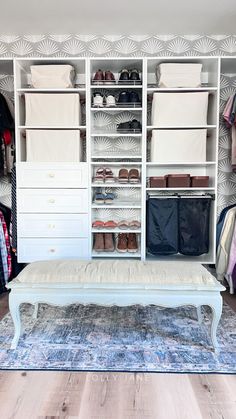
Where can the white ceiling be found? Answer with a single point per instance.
(118, 17)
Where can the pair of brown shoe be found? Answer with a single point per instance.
(103, 242)
(127, 243)
(131, 176)
(103, 77)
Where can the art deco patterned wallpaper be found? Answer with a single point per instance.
(138, 45)
(116, 45)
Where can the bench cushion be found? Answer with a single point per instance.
(110, 272)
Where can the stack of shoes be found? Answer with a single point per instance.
(100, 101)
(127, 243)
(129, 77)
(128, 99)
(104, 77)
(130, 126)
(103, 242)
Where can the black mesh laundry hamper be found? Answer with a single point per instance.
(162, 226)
(194, 218)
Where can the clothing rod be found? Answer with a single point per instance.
(198, 196)
(181, 196)
(163, 196)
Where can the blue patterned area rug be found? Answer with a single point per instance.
(134, 338)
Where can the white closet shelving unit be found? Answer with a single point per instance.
(56, 200)
(52, 198)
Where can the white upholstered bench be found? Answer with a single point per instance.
(115, 282)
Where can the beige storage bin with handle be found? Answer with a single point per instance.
(179, 109)
(175, 146)
(52, 109)
(179, 75)
(55, 76)
(53, 146)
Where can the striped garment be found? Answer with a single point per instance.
(3, 250)
(7, 242)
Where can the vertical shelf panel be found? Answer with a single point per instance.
(52, 183)
(103, 128)
(210, 83)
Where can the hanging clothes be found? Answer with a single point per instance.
(229, 116)
(2, 278)
(232, 253)
(10, 216)
(14, 210)
(220, 223)
(6, 164)
(5, 263)
(223, 250)
(6, 137)
(227, 110)
(6, 119)
(234, 276)
(7, 242)
(3, 251)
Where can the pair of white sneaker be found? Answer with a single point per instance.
(101, 101)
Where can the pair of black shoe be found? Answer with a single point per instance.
(130, 126)
(128, 98)
(129, 77)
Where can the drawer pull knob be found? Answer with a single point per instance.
(51, 175)
(51, 225)
(52, 250)
(51, 201)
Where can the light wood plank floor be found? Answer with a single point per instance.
(54, 395)
(30, 395)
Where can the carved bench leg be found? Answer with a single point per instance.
(199, 314)
(231, 284)
(36, 308)
(216, 311)
(14, 307)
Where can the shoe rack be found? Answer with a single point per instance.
(116, 148)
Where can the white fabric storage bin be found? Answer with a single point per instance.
(52, 109)
(57, 76)
(179, 75)
(179, 109)
(173, 146)
(53, 146)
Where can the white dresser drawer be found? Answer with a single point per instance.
(53, 225)
(30, 250)
(52, 201)
(52, 175)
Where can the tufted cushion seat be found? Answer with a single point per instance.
(118, 273)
